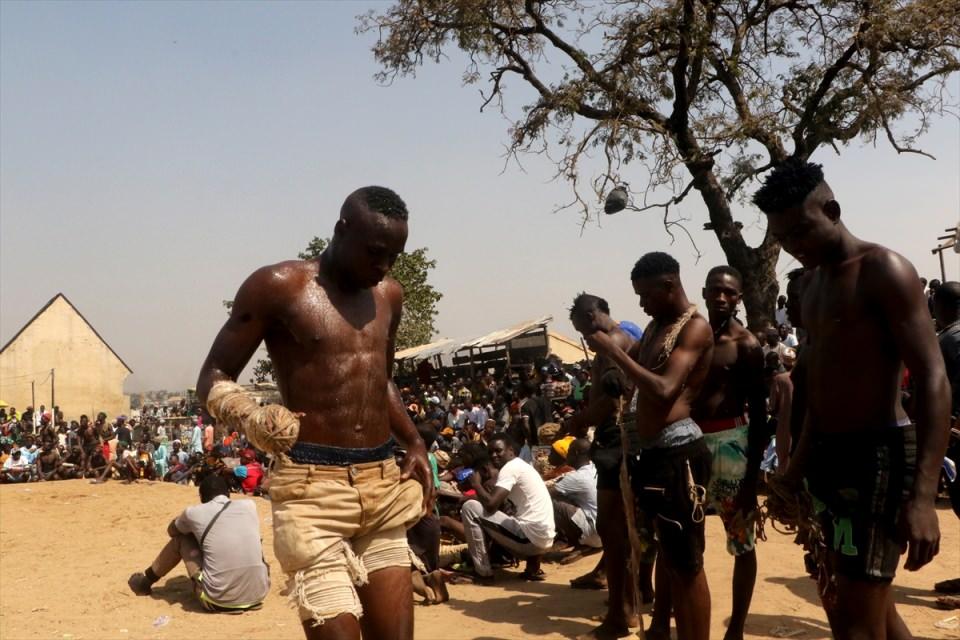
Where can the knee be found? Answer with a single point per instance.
(471, 510)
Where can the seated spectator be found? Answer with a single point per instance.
(529, 533)
(179, 471)
(73, 463)
(219, 544)
(787, 336)
(16, 468)
(448, 441)
(47, 462)
(96, 463)
(249, 472)
(575, 498)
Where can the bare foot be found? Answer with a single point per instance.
(438, 585)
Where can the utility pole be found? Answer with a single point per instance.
(53, 397)
(952, 241)
(33, 393)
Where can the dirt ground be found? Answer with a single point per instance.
(67, 548)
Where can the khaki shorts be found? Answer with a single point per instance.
(332, 526)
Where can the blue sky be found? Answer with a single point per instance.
(154, 154)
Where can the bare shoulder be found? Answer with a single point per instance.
(746, 341)
(275, 284)
(884, 270)
(392, 290)
(622, 339)
(696, 334)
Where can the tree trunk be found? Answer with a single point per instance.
(757, 265)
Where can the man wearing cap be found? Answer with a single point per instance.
(15, 468)
(575, 495)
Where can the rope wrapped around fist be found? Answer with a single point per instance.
(272, 428)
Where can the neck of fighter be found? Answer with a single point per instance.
(677, 308)
(847, 246)
(720, 322)
(328, 261)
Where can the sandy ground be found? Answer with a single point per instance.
(67, 548)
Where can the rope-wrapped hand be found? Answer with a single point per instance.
(272, 428)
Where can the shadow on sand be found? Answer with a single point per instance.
(178, 591)
(536, 609)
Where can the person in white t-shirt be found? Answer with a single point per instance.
(787, 336)
(528, 534)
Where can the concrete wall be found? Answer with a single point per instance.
(88, 376)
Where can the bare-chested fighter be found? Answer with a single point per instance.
(668, 367)
(731, 412)
(873, 472)
(591, 314)
(341, 504)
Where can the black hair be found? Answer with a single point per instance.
(796, 273)
(788, 185)
(588, 302)
(934, 284)
(212, 486)
(427, 432)
(383, 201)
(507, 442)
(655, 263)
(948, 294)
(726, 270)
(473, 455)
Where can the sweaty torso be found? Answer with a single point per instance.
(852, 364)
(652, 416)
(329, 353)
(724, 391)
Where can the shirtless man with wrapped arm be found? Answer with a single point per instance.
(341, 504)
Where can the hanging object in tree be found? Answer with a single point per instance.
(616, 200)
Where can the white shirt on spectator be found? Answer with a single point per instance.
(780, 315)
(529, 495)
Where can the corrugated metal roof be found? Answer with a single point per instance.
(503, 336)
(425, 351)
(448, 346)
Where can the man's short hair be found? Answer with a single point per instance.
(948, 294)
(508, 442)
(726, 270)
(383, 201)
(587, 302)
(655, 263)
(788, 185)
(212, 486)
(427, 433)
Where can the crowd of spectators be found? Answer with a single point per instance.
(171, 444)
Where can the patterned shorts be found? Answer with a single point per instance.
(729, 451)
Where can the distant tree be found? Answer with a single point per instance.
(419, 300)
(705, 95)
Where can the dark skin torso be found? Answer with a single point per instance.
(329, 349)
(727, 385)
(853, 356)
(655, 415)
